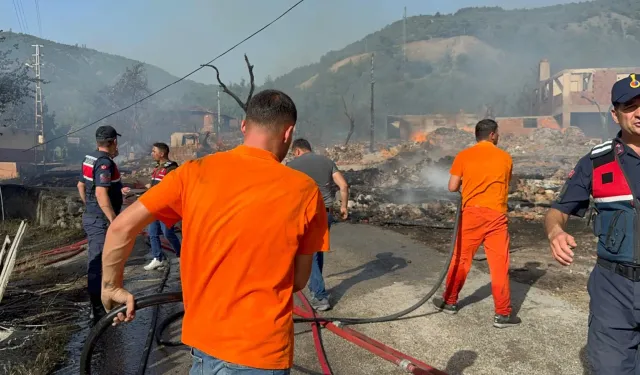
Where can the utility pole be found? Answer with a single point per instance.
(219, 117)
(373, 126)
(39, 120)
(404, 34)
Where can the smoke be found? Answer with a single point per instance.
(435, 177)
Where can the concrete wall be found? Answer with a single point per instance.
(13, 142)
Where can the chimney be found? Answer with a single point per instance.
(544, 71)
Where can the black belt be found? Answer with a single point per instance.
(629, 272)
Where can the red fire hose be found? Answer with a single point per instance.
(407, 363)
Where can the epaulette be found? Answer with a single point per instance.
(601, 149)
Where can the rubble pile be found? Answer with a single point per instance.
(349, 154)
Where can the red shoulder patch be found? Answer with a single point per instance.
(103, 166)
(572, 173)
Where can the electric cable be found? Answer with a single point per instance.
(174, 82)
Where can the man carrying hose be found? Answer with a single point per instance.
(250, 228)
(484, 173)
(610, 173)
(101, 191)
(160, 153)
(324, 172)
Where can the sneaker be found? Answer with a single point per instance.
(505, 321)
(155, 264)
(320, 304)
(440, 305)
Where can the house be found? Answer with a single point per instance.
(578, 97)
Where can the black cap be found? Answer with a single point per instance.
(105, 133)
(625, 89)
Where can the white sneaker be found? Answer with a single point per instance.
(155, 263)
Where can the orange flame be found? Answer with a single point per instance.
(419, 137)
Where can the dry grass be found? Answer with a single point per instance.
(47, 350)
(38, 238)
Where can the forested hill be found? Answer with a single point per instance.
(467, 60)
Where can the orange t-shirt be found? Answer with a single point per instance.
(244, 218)
(486, 173)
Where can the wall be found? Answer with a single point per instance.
(13, 142)
(516, 125)
(61, 208)
(8, 170)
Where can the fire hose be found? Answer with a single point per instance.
(306, 315)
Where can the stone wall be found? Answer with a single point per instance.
(46, 207)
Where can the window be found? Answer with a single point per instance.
(530, 123)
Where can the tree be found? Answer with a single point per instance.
(352, 121)
(225, 89)
(131, 87)
(14, 80)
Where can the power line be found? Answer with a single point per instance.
(15, 7)
(24, 18)
(38, 14)
(178, 80)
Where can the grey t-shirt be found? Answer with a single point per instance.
(321, 169)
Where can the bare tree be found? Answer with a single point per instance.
(350, 116)
(14, 80)
(235, 97)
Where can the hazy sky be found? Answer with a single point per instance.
(180, 35)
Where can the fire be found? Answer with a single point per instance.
(419, 137)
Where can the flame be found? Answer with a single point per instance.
(419, 137)
(386, 153)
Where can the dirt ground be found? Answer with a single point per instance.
(531, 260)
(42, 307)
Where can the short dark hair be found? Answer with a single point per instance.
(484, 128)
(162, 147)
(105, 142)
(301, 144)
(271, 108)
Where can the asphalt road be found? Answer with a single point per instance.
(371, 272)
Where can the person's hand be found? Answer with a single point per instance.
(562, 245)
(344, 213)
(126, 190)
(114, 297)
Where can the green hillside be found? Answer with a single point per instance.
(469, 60)
(474, 58)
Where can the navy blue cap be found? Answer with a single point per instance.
(105, 133)
(625, 89)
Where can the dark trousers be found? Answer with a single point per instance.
(96, 228)
(614, 323)
(316, 281)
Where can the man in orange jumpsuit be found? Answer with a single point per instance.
(484, 173)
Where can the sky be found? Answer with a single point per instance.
(178, 36)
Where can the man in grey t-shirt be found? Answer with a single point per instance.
(324, 172)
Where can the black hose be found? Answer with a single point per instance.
(387, 318)
(163, 298)
(107, 320)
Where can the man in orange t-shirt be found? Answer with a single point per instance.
(250, 228)
(484, 173)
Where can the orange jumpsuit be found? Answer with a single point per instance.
(486, 173)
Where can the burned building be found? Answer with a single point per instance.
(578, 97)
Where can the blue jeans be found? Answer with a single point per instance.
(204, 364)
(154, 230)
(316, 281)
